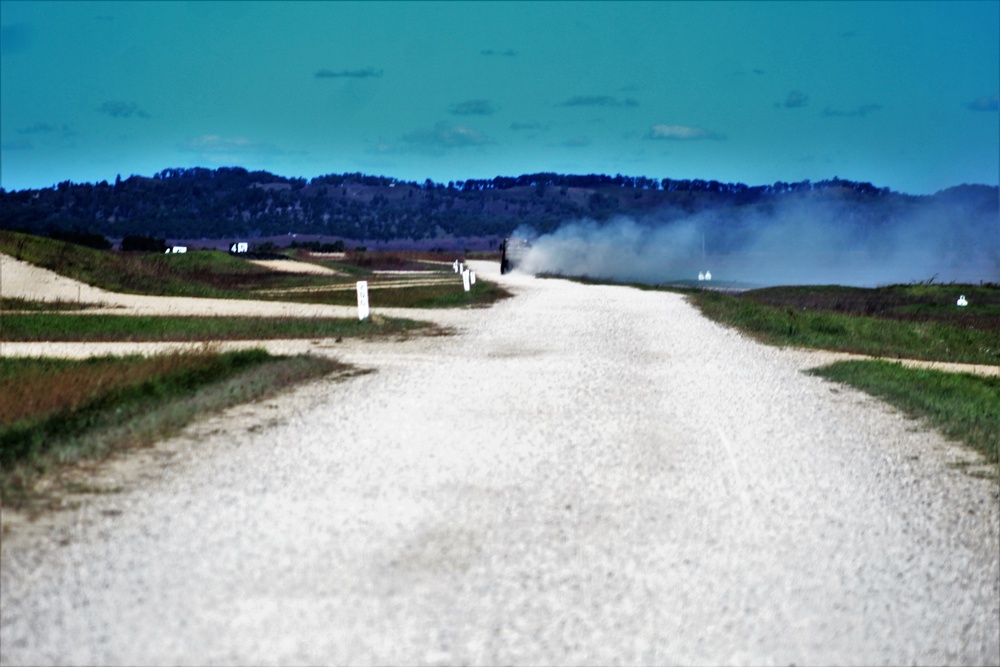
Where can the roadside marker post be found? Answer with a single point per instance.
(454, 266)
(362, 299)
(465, 280)
(472, 277)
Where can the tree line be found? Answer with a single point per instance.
(233, 202)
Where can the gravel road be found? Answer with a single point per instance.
(581, 475)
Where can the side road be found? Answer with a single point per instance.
(582, 475)
(21, 279)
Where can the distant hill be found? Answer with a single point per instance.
(231, 202)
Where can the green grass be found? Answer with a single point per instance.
(444, 295)
(932, 340)
(55, 413)
(220, 275)
(8, 304)
(960, 405)
(22, 327)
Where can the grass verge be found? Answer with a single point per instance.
(960, 405)
(56, 412)
(878, 337)
(51, 327)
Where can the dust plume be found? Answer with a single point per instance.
(807, 240)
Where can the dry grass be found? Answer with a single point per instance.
(35, 387)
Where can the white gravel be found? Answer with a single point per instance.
(583, 475)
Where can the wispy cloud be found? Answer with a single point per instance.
(119, 109)
(473, 108)
(681, 133)
(365, 73)
(15, 38)
(985, 103)
(217, 145)
(509, 53)
(444, 136)
(47, 130)
(597, 101)
(578, 141)
(37, 128)
(796, 99)
(16, 145)
(859, 112)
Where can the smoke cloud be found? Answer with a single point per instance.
(800, 242)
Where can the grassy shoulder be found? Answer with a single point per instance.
(960, 405)
(51, 327)
(56, 412)
(791, 324)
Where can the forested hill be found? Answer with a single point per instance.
(233, 202)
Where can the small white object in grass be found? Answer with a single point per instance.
(179, 249)
(472, 277)
(454, 266)
(962, 301)
(465, 280)
(362, 299)
(701, 275)
(708, 275)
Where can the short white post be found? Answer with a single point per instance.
(454, 266)
(465, 280)
(362, 299)
(472, 277)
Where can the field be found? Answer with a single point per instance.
(55, 413)
(396, 279)
(917, 321)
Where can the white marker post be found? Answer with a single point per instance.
(465, 280)
(454, 266)
(472, 277)
(362, 299)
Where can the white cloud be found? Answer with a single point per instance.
(213, 143)
(444, 136)
(681, 133)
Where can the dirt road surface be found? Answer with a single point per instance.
(581, 475)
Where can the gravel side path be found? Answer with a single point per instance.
(584, 475)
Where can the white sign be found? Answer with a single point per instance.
(362, 299)
(465, 280)
(179, 249)
(240, 247)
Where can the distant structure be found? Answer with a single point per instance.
(708, 275)
(176, 250)
(962, 301)
(512, 252)
(701, 275)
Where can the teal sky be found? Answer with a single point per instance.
(900, 94)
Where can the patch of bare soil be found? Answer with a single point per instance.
(292, 266)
